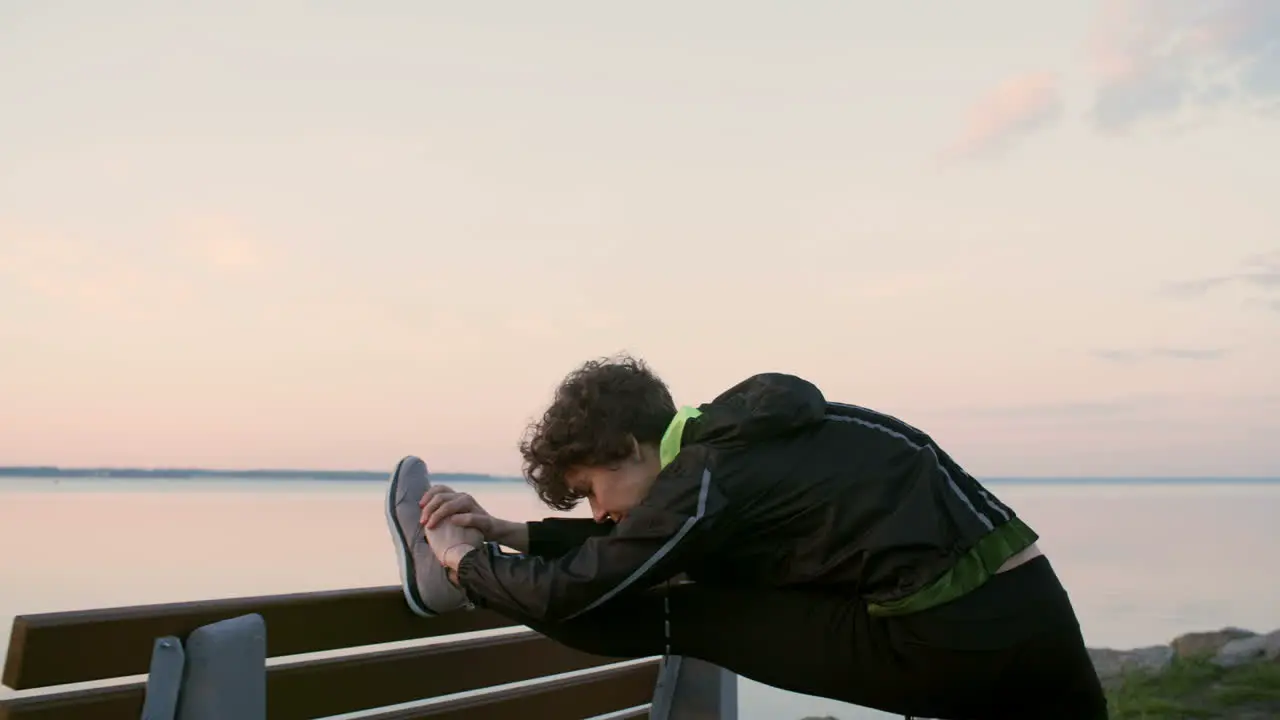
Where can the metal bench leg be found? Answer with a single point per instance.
(164, 680)
(690, 689)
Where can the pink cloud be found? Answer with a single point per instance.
(221, 244)
(68, 271)
(1153, 58)
(1015, 108)
(103, 276)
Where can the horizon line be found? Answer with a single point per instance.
(13, 470)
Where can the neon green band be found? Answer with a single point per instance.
(670, 446)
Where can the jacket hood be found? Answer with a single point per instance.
(761, 407)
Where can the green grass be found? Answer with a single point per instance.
(1196, 689)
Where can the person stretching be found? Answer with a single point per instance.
(814, 546)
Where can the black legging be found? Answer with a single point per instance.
(1011, 649)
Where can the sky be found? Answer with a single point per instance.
(326, 234)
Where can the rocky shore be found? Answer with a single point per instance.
(1232, 674)
(1227, 674)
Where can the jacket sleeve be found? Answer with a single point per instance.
(655, 541)
(553, 537)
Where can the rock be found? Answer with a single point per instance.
(1207, 643)
(1249, 649)
(1110, 664)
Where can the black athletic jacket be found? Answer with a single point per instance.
(773, 485)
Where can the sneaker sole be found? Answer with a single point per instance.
(408, 578)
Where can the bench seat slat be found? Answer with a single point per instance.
(118, 702)
(596, 693)
(326, 687)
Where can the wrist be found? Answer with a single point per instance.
(514, 535)
(502, 531)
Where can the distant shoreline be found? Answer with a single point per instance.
(31, 473)
(60, 473)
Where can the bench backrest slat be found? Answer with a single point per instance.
(330, 686)
(68, 647)
(51, 649)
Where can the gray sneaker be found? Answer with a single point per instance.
(425, 581)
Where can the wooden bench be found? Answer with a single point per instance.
(53, 649)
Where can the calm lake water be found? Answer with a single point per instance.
(1143, 562)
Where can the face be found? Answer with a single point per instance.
(613, 491)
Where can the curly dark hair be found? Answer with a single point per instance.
(597, 410)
